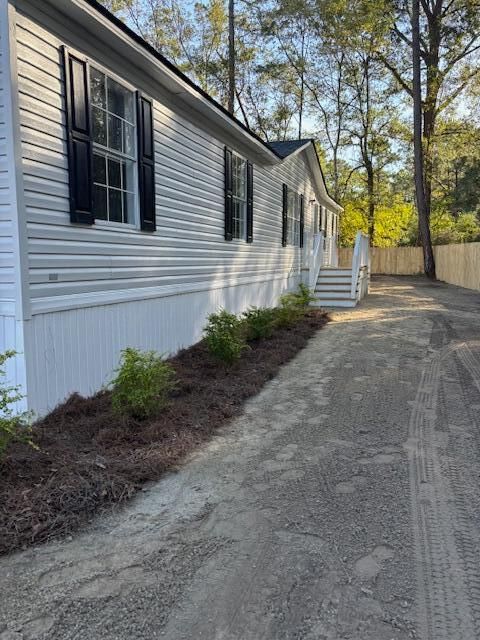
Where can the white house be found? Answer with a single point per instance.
(132, 205)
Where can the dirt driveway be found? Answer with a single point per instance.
(344, 503)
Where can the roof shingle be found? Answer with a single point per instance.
(284, 148)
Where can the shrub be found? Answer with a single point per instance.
(305, 296)
(142, 383)
(288, 313)
(259, 323)
(13, 427)
(224, 336)
(292, 306)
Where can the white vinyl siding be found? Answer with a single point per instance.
(71, 264)
(7, 178)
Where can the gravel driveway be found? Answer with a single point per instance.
(344, 503)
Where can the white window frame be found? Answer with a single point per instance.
(107, 151)
(236, 199)
(293, 218)
(316, 218)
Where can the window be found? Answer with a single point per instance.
(239, 197)
(114, 149)
(293, 218)
(316, 219)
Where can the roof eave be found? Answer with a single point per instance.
(316, 167)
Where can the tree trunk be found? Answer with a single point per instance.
(231, 56)
(371, 201)
(422, 206)
(302, 89)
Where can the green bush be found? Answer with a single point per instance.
(288, 313)
(13, 427)
(142, 384)
(293, 306)
(259, 322)
(224, 336)
(305, 296)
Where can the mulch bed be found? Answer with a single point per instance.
(89, 460)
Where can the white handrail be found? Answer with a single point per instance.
(316, 258)
(360, 259)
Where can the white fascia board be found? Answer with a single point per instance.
(318, 176)
(78, 12)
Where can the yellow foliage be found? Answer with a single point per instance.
(352, 220)
(391, 223)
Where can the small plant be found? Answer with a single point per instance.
(142, 383)
(224, 336)
(305, 296)
(288, 313)
(259, 322)
(292, 306)
(13, 427)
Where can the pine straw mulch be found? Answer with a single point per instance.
(89, 460)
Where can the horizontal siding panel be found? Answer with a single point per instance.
(50, 83)
(7, 213)
(36, 122)
(86, 286)
(41, 109)
(172, 258)
(43, 96)
(28, 55)
(147, 276)
(44, 187)
(36, 37)
(43, 140)
(162, 114)
(42, 200)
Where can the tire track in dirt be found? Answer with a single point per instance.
(447, 570)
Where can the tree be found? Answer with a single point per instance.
(231, 56)
(438, 38)
(422, 207)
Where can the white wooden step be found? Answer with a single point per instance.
(331, 294)
(327, 303)
(335, 272)
(336, 286)
(333, 280)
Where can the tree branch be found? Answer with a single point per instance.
(396, 74)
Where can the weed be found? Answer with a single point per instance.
(14, 427)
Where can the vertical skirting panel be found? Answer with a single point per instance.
(77, 350)
(11, 338)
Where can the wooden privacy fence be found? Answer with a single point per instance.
(456, 263)
(405, 261)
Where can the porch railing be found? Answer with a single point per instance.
(360, 266)
(316, 259)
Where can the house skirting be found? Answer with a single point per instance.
(76, 350)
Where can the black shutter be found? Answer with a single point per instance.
(228, 195)
(302, 220)
(80, 157)
(249, 202)
(146, 163)
(284, 216)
